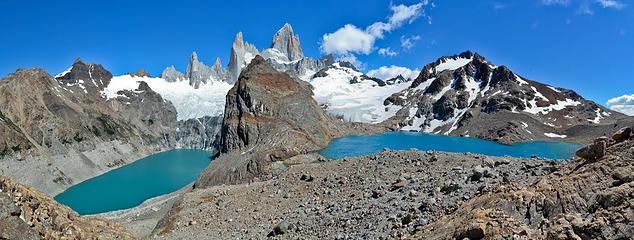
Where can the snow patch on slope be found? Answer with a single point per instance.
(554, 135)
(452, 64)
(207, 100)
(64, 72)
(534, 109)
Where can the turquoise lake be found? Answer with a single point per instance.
(162, 173)
(363, 145)
(130, 185)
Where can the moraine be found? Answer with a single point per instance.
(132, 184)
(354, 146)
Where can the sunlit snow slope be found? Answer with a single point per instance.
(358, 102)
(207, 100)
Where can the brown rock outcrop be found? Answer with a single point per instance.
(269, 116)
(582, 200)
(26, 213)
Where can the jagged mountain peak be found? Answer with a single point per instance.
(89, 77)
(287, 27)
(285, 55)
(287, 42)
(217, 63)
(194, 56)
(238, 41)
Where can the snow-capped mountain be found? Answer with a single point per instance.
(467, 95)
(464, 95)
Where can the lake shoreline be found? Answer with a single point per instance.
(129, 186)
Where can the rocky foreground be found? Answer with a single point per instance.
(592, 197)
(388, 195)
(424, 195)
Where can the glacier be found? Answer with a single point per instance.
(190, 102)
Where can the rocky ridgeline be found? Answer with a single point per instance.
(26, 213)
(387, 195)
(465, 94)
(269, 117)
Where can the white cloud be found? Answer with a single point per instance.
(348, 39)
(556, 2)
(610, 4)
(386, 73)
(409, 42)
(387, 52)
(351, 39)
(624, 104)
(400, 15)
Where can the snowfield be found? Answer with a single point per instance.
(207, 100)
(359, 102)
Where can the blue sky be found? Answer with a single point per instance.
(585, 45)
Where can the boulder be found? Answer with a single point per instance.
(622, 134)
(479, 172)
(592, 151)
(281, 228)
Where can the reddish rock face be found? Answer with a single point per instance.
(269, 116)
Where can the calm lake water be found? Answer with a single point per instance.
(364, 145)
(130, 185)
(166, 172)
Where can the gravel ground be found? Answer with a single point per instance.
(386, 195)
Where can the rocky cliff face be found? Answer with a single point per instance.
(199, 73)
(241, 54)
(588, 198)
(269, 116)
(287, 43)
(26, 213)
(467, 95)
(198, 133)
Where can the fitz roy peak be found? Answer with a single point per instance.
(287, 43)
(285, 54)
